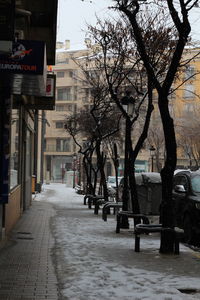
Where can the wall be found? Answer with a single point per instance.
(12, 210)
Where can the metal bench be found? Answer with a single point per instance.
(97, 205)
(107, 206)
(93, 199)
(153, 228)
(86, 198)
(78, 189)
(131, 215)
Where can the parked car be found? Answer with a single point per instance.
(111, 184)
(186, 197)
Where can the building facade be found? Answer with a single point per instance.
(72, 94)
(27, 45)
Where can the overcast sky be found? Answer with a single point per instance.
(74, 14)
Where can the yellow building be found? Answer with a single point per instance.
(72, 94)
(184, 106)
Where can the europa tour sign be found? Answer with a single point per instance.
(27, 57)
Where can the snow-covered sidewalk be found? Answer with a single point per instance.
(93, 262)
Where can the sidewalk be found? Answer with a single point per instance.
(26, 270)
(95, 263)
(92, 262)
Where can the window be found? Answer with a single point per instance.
(189, 91)
(59, 125)
(75, 92)
(61, 60)
(64, 93)
(65, 107)
(189, 72)
(71, 73)
(60, 74)
(195, 182)
(86, 96)
(188, 107)
(63, 145)
(60, 107)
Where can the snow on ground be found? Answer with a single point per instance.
(93, 262)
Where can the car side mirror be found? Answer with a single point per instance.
(180, 188)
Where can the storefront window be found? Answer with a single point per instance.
(14, 157)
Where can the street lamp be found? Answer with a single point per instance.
(152, 151)
(128, 103)
(74, 169)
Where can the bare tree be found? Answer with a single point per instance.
(177, 12)
(117, 58)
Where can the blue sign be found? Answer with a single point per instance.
(27, 57)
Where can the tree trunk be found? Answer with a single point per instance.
(87, 168)
(125, 194)
(100, 162)
(167, 207)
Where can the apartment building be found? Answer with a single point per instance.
(59, 148)
(71, 95)
(184, 106)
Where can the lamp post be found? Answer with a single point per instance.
(128, 103)
(152, 151)
(74, 169)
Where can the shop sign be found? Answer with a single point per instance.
(43, 102)
(27, 57)
(50, 86)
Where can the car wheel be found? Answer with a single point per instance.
(188, 231)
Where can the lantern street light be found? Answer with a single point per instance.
(74, 169)
(152, 151)
(128, 103)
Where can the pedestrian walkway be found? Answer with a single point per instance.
(92, 262)
(26, 269)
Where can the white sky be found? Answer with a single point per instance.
(74, 14)
(95, 263)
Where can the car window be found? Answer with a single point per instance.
(195, 183)
(111, 179)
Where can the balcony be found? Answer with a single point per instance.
(54, 148)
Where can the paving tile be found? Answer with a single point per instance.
(26, 269)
